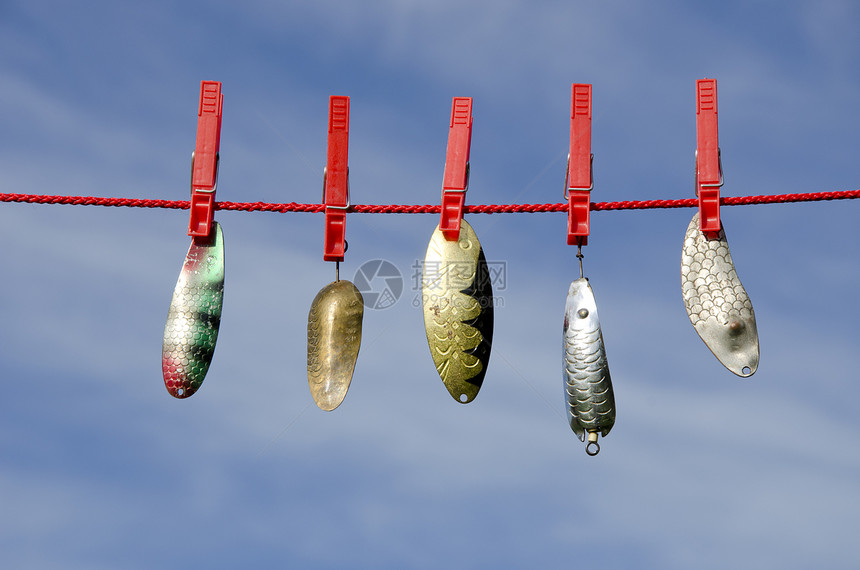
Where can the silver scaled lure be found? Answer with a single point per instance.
(194, 316)
(587, 384)
(716, 302)
(458, 311)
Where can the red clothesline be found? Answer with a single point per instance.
(426, 209)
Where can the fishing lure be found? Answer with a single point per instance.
(457, 299)
(587, 384)
(336, 313)
(334, 339)
(716, 301)
(194, 316)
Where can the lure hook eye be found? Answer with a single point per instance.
(592, 448)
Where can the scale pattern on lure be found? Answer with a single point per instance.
(194, 316)
(334, 339)
(716, 302)
(458, 311)
(587, 384)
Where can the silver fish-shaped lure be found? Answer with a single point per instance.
(194, 316)
(716, 302)
(587, 384)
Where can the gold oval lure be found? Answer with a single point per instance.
(334, 338)
(457, 297)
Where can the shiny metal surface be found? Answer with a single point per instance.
(587, 384)
(194, 316)
(457, 297)
(716, 302)
(334, 338)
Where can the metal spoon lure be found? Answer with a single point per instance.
(457, 299)
(334, 339)
(716, 301)
(194, 316)
(587, 383)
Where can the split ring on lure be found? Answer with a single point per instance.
(716, 302)
(194, 316)
(334, 339)
(587, 384)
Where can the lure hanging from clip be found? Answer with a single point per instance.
(194, 316)
(587, 384)
(456, 292)
(716, 301)
(336, 313)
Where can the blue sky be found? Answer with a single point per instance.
(101, 468)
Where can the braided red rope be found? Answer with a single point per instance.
(426, 209)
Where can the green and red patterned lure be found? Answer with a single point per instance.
(194, 316)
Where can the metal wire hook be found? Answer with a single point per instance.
(337, 263)
(566, 192)
(696, 173)
(579, 256)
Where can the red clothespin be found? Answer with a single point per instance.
(456, 178)
(580, 176)
(709, 167)
(336, 179)
(204, 163)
